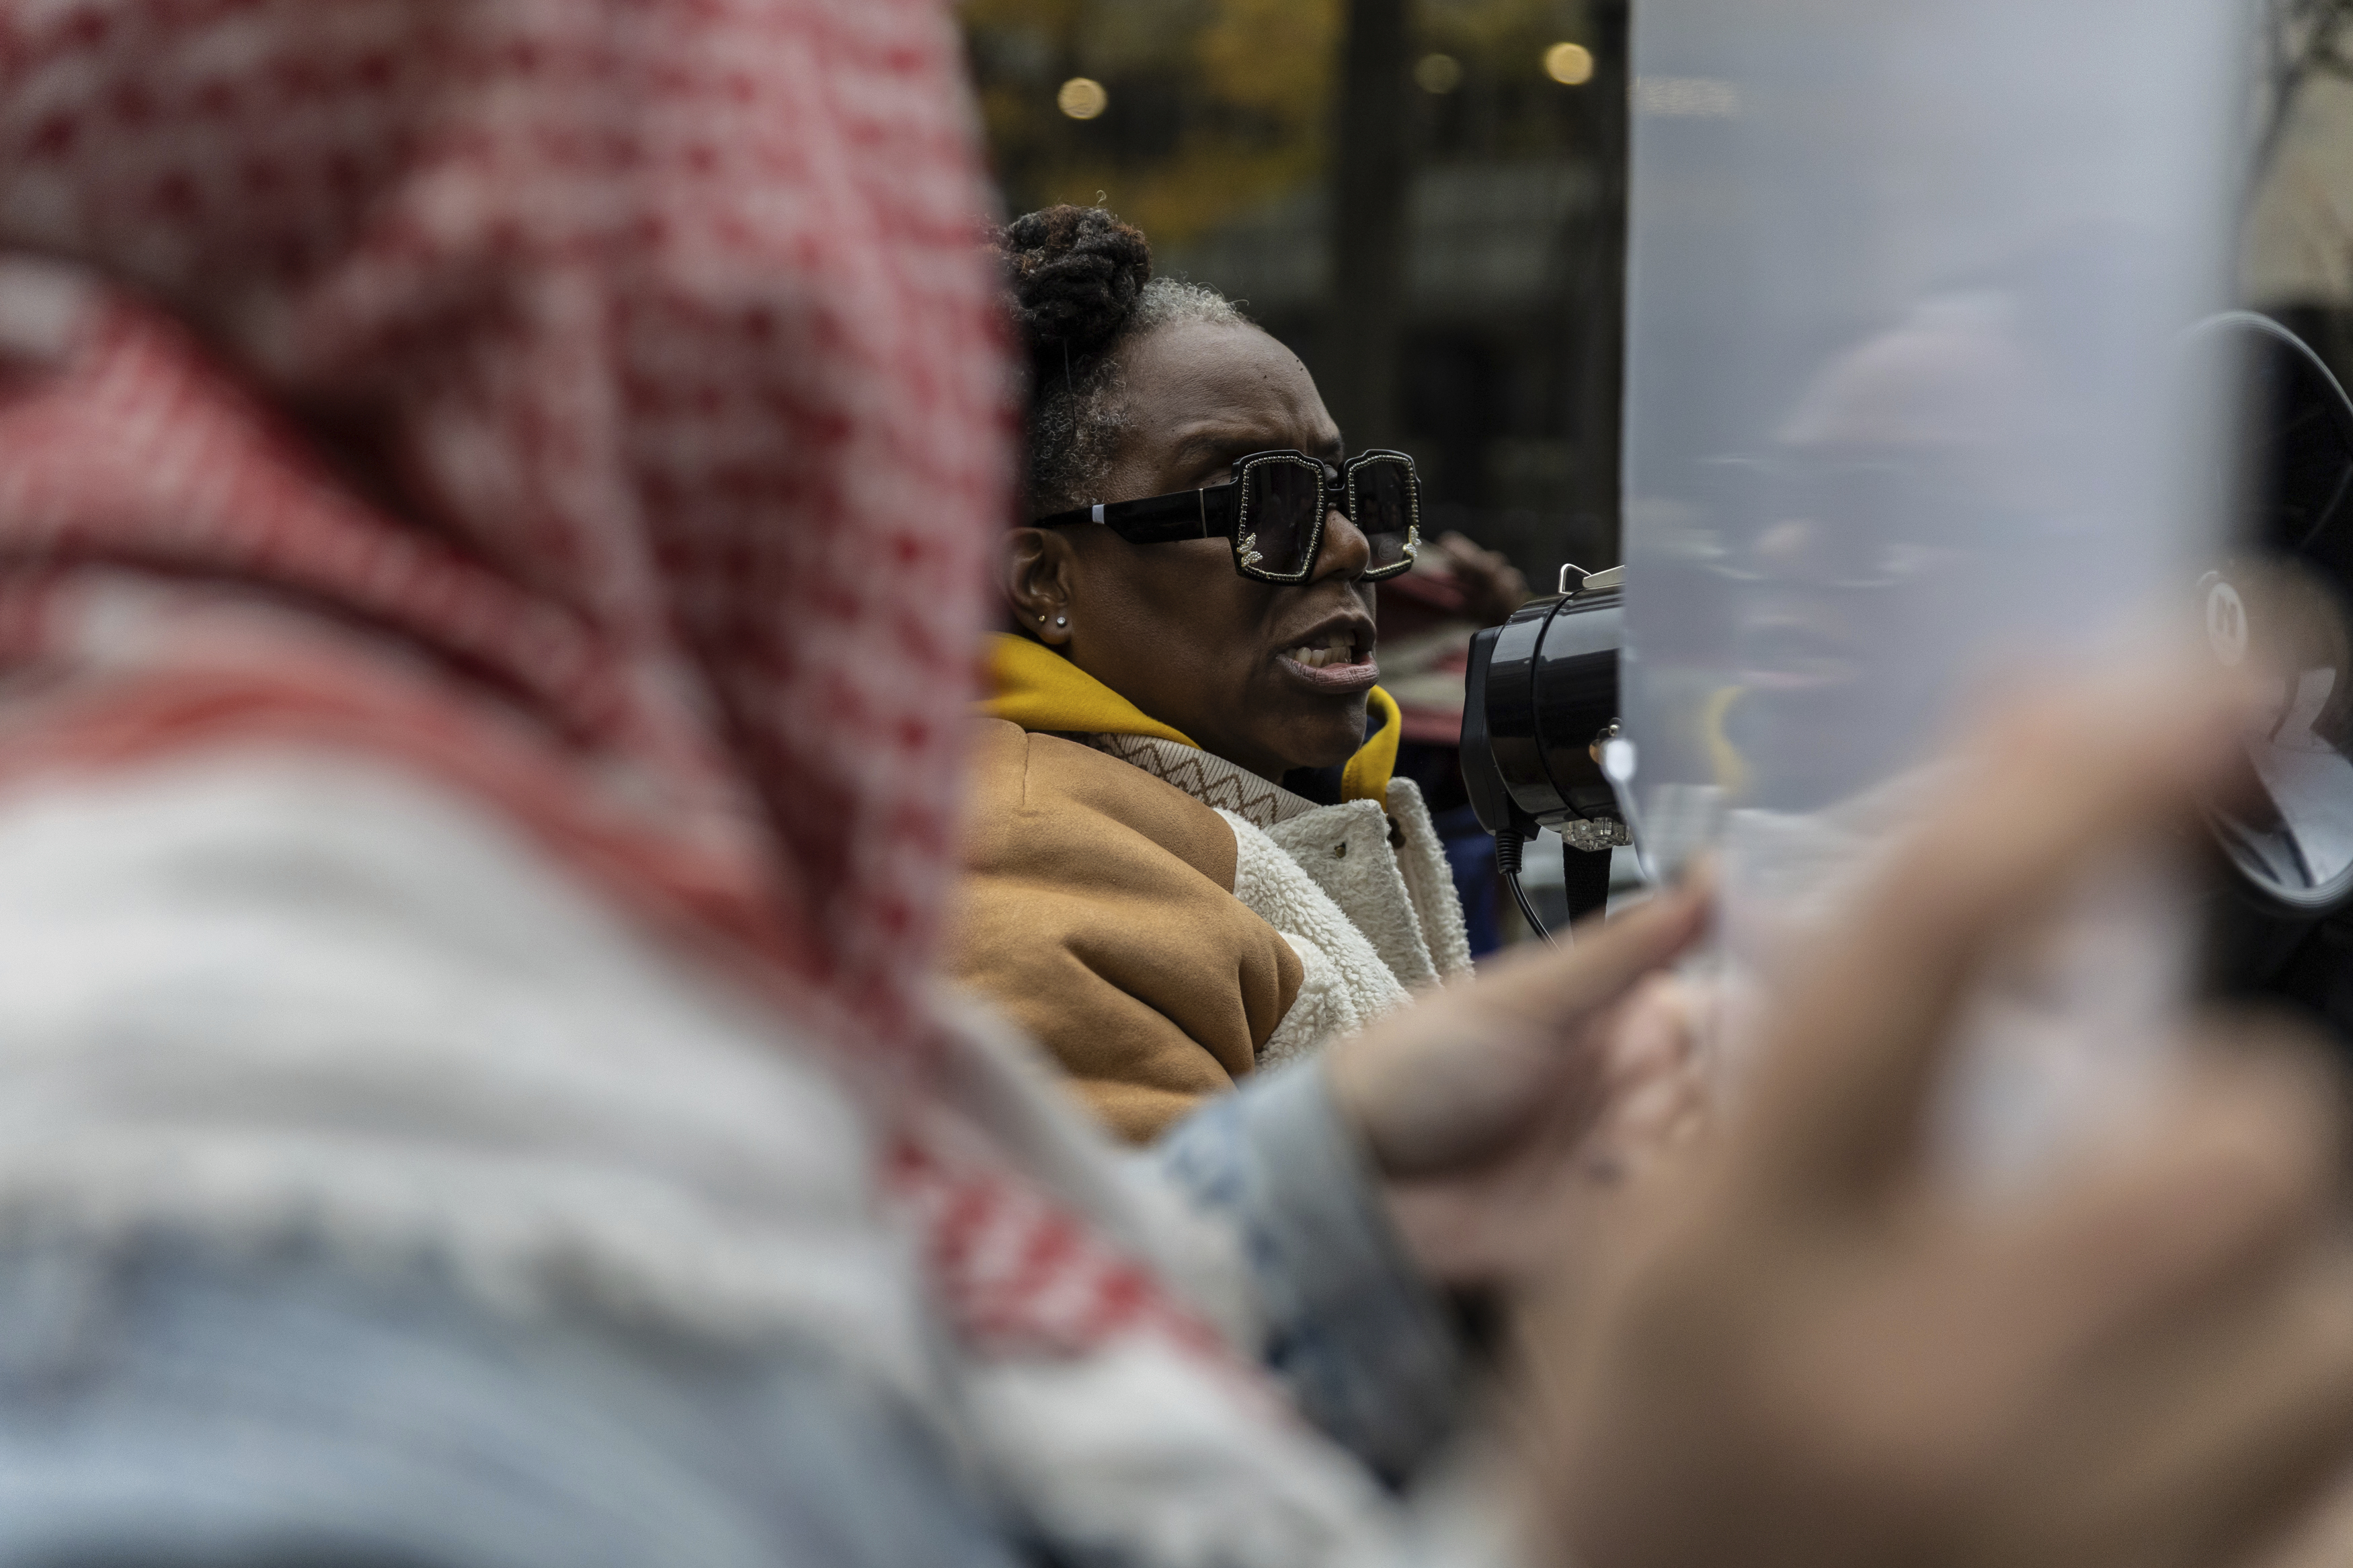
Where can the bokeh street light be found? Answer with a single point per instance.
(1571, 65)
(1082, 98)
(1438, 73)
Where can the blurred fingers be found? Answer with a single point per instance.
(1475, 1072)
(2237, 1431)
(2323, 1539)
(1606, 961)
(2224, 1361)
(1493, 586)
(1462, 549)
(2049, 790)
(2215, 1193)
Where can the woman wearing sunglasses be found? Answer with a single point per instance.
(1189, 858)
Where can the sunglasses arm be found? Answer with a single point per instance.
(1205, 513)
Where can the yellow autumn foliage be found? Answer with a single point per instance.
(1217, 107)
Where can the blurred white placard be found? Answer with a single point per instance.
(1907, 415)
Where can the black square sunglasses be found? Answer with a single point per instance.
(1272, 512)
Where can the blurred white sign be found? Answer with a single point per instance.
(1906, 413)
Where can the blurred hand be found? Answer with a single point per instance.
(1495, 1111)
(1492, 586)
(2326, 1541)
(1803, 1346)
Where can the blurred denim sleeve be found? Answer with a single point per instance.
(1367, 1347)
(178, 1407)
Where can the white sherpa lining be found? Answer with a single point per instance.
(1345, 851)
(1429, 881)
(1346, 985)
(1371, 924)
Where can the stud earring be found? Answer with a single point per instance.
(1041, 620)
(1062, 620)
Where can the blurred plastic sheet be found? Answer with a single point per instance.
(1907, 413)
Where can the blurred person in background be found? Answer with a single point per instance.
(496, 497)
(1911, 472)
(1191, 853)
(1428, 618)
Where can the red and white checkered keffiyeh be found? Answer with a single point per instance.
(597, 402)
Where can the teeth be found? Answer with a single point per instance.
(1340, 648)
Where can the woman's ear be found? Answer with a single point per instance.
(1040, 580)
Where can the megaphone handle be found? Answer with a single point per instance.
(1585, 877)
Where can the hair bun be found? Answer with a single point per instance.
(1076, 273)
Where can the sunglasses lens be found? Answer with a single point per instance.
(1282, 503)
(1384, 491)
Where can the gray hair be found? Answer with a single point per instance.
(1075, 420)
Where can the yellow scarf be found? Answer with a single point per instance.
(1038, 689)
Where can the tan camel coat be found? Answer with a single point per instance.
(1164, 923)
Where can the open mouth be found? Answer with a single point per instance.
(1337, 659)
(1334, 647)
